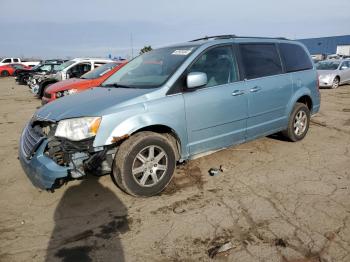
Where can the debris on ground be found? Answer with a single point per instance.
(215, 171)
(220, 249)
(280, 242)
(178, 210)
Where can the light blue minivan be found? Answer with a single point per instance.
(170, 105)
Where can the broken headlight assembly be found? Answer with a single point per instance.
(76, 129)
(66, 92)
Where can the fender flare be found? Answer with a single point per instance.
(297, 95)
(138, 122)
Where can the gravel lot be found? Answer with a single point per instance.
(275, 200)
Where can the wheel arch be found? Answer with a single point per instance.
(117, 130)
(303, 95)
(166, 131)
(306, 99)
(44, 84)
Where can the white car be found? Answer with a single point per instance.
(11, 60)
(78, 66)
(332, 73)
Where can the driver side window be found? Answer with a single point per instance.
(79, 69)
(219, 65)
(345, 65)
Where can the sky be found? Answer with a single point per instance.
(97, 28)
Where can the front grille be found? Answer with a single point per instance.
(31, 140)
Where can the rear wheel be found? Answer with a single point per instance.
(335, 83)
(298, 124)
(144, 164)
(5, 73)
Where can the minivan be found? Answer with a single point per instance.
(170, 105)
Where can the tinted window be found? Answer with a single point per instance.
(15, 60)
(260, 60)
(8, 60)
(219, 65)
(295, 58)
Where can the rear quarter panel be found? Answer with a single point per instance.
(305, 83)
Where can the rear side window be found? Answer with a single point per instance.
(295, 58)
(15, 60)
(260, 60)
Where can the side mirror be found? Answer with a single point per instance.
(196, 79)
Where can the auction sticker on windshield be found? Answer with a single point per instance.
(182, 51)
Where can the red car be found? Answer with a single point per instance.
(9, 70)
(75, 85)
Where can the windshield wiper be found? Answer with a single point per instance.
(116, 85)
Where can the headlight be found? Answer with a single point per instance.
(77, 129)
(66, 92)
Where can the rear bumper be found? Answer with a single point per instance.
(41, 170)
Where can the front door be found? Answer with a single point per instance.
(216, 113)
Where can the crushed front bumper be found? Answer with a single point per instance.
(41, 170)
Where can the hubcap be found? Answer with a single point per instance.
(150, 166)
(300, 122)
(335, 83)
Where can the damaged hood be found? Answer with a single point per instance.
(93, 102)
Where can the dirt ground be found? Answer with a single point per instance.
(274, 201)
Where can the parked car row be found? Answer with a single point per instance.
(10, 69)
(166, 106)
(70, 69)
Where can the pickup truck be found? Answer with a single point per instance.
(11, 60)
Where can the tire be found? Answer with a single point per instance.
(298, 123)
(5, 73)
(335, 83)
(42, 88)
(136, 172)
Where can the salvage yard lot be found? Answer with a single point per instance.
(274, 200)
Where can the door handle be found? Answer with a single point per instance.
(255, 89)
(237, 93)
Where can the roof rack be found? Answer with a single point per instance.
(235, 36)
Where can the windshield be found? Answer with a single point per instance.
(36, 67)
(327, 65)
(100, 71)
(151, 69)
(64, 65)
(45, 68)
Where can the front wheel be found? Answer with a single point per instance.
(298, 123)
(144, 164)
(335, 83)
